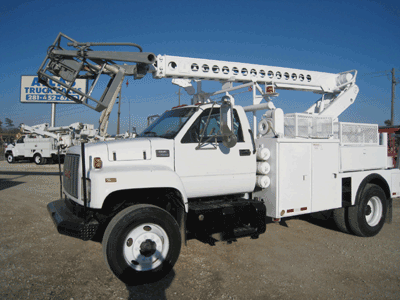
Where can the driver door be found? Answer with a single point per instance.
(208, 168)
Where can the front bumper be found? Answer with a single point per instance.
(69, 223)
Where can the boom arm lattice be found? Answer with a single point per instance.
(83, 62)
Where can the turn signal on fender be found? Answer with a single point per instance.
(97, 163)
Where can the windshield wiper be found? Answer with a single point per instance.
(168, 135)
(150, 132)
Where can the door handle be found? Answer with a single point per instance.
(244, 152)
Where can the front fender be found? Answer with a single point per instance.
(116, 178)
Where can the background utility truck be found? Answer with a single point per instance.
(201, 170)
(43, 144)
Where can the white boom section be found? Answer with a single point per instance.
(40, 131)
(283, 78)
(339, 90)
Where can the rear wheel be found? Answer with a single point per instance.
(341, 220)
(367, 218)
(141, 244)
(39, 159)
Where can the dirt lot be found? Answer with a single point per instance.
(302, 260)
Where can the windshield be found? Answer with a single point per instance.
(169, 124)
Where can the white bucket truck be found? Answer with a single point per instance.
(44, 144)
(201, 171)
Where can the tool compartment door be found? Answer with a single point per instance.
(294, 173)
(325, 180)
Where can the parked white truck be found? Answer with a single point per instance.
(37, 144)
(38, 149)
(44, 144)
(200, 170)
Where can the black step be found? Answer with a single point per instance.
(232, 218)
(244, 231)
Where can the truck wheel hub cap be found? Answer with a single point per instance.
(146, 247)
(373, 211)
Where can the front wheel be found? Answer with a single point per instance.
(141, 244)
(367, 218)
(10, 158)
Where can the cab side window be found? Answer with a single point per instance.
(199, 126)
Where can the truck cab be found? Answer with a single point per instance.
(183, 150)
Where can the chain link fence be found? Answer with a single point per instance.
(2, 149)
(5, 139)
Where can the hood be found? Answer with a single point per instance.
(128, 150)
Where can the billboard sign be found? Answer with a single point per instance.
(34, 92)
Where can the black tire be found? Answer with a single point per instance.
(10, 158)
(38, 159)
(367, 218)
(150, 229)
(340, 217)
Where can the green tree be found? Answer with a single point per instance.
(9, 123)
(388, 123)
(1, 129)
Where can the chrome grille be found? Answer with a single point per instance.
(71, 174)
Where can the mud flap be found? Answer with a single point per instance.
(389, 214)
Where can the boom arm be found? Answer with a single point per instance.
(39, 131)
(83, 62)
(339, 90)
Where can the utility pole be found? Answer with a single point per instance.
(179, 95)
(393, 95)
(119, 110)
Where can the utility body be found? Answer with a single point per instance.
(202, 171)
(38, 149)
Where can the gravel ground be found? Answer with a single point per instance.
(299, 259)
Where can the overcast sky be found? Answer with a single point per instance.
(327, 36)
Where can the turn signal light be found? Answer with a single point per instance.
(97, 162)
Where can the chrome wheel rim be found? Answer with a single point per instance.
(146, 247)
(373, 211)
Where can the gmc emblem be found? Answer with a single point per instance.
(67, 174)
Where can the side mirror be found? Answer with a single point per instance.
(229, 139)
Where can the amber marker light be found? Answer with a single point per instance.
(97, 162)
